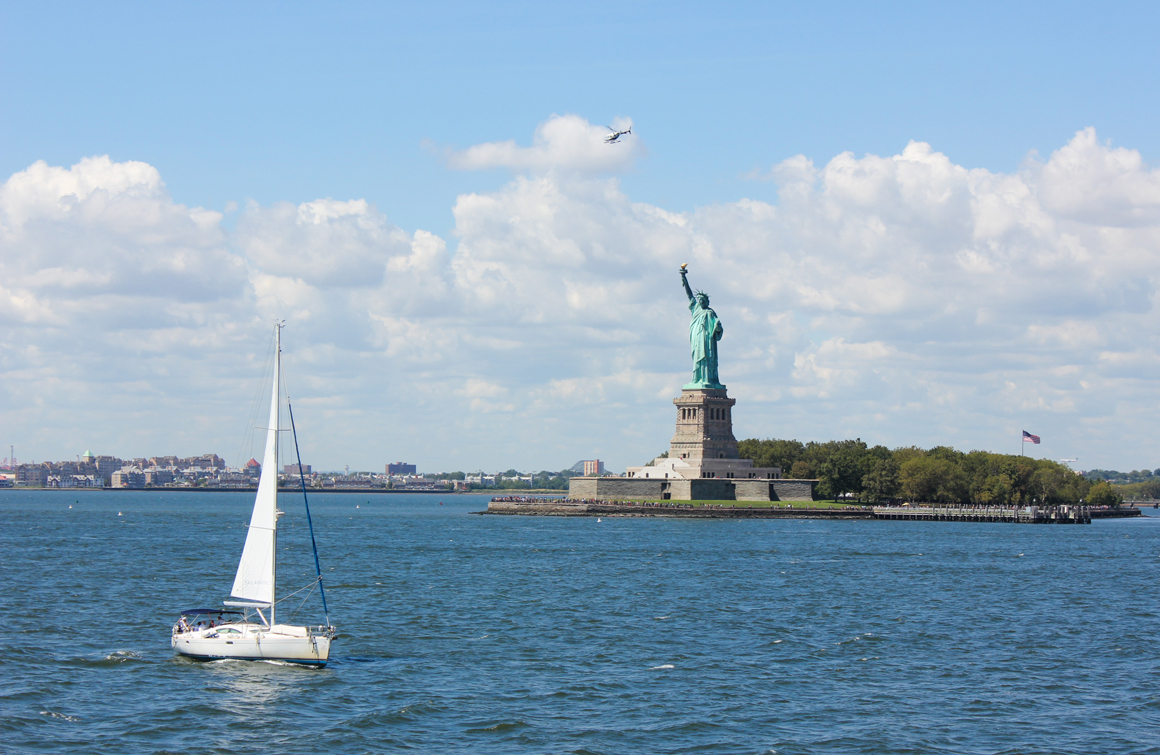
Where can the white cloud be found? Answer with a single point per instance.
(903, 298)
(325, 242)
(565, 142)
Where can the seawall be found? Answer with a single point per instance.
(565, 507)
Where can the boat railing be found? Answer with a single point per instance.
(321, 629)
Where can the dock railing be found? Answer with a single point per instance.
(1067, 514)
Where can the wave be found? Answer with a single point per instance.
(60, 716)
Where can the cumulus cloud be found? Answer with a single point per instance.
(102, 228)
(564, 142)
(902, 298)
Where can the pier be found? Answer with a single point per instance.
(1008, 514)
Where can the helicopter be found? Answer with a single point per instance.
(614, 137)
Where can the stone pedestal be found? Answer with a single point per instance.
(703, 447)
(704, 426)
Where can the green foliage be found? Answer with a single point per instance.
(1104, 494)
(941, 474)
(1121, 478)
(800, 471)
(772, 453)
(883, 482)
(841, 466)
(934, 478)
(654, 459)
(1142, 491)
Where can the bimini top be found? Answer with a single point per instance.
(196, 611)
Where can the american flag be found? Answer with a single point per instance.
(1029, 438)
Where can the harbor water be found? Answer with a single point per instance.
(491, 634)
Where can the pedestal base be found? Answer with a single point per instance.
(676, 489)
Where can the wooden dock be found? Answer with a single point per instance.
(1007, 514)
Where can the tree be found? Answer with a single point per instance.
(771, 452)
(1045, 482)
(925, 478)
(995, 490)
(1104, 494)
(883, 481)
(800, 471)
(1149, 490)
(841, 473)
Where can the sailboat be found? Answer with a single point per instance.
(244, 631)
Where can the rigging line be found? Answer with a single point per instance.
(306, 501)
(306, 598)
(256, 404)
(309, 586)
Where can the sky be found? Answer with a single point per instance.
(921, 224)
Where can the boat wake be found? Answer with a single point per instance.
(60, 716)
(249, 662)
(123, 656)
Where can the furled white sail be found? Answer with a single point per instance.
(255, 579)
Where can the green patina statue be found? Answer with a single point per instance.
(704, 332)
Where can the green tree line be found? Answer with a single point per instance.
(850, 468)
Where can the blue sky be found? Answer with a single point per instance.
(239, 110)
(285, 102)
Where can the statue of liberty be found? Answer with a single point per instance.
(704, 332)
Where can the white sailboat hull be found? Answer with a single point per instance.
(253, 642)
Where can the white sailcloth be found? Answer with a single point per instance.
(255, 579)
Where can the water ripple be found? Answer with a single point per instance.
(464, 634)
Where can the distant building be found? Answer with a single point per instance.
(158, 477)
(233, 480)
(107, 465)
(31, 475)
(205, 461)
(74, 481)
(593, 468)
(400, 468)
(128, 478)
(253, 468)
(294, 469)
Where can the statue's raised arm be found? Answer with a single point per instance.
(704, 332)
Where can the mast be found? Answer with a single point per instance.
(276, 414)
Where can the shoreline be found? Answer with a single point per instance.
(564, 507)
(239, 490)
(710, 510)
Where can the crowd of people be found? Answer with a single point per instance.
(184, 626)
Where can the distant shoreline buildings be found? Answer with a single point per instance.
(205, 471)
(210, 471)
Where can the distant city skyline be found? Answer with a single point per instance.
(927, 225)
